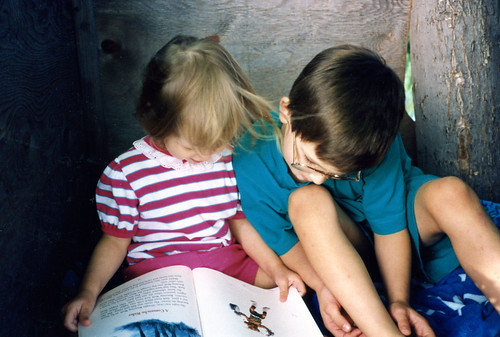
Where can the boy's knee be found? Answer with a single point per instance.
(307, 194)
(307, 199)
(450, 190)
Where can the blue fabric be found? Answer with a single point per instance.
(454, 306)
(382, 187)
(265, 185)
(430, 263)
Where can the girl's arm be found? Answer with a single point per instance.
(267, 260)
(107, 257)
(394, 258)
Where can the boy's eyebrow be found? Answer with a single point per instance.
(316, 164)
(311, 161)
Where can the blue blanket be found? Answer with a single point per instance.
(454, 306)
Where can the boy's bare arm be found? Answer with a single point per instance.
(317, 221)
(394, 258)
(330, 308)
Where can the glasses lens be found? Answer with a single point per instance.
(350, 177)
(309, 169)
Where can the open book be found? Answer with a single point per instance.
(175, 301)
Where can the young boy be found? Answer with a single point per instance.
(340, 131)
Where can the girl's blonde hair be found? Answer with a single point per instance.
(194, 88)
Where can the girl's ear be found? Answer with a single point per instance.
(284, 112)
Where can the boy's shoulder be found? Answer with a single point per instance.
(262, 135)
(396, 159)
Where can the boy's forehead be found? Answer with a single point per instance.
(309, 151)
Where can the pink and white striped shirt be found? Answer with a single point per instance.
(165, 205)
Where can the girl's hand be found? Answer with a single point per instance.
(78, 311)
(285, 278)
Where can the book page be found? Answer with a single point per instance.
(159, 303)
(230, 307)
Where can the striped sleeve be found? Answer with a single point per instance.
(117, 203)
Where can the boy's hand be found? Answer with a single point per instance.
(78, 310)
(333, 318)
(285, 278)
(408, 319)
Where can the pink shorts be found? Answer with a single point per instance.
(231, 260)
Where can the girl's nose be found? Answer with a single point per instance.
(204, 157)
(200, 158)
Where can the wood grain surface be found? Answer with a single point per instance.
(272, 40)
(456, 61)
(46, 180)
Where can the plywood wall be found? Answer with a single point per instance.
(456, 63)
(47, 180)
(272, 40)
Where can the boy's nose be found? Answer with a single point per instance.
(317, 178)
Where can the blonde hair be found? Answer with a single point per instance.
(194, 88)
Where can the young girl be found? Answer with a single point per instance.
(172, 198)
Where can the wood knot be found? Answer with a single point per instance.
(110, 46)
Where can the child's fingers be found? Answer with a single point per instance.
(404, 327)
(335, 330)
(70, 320)
(299, 285)
(71, 325)
(354, 333)
(84, 317)
(283, 291)
(400, 315)
(339, 320)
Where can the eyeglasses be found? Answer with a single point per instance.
(306, 168)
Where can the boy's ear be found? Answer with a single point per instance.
(284, 112)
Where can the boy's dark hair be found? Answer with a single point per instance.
(350, 103)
